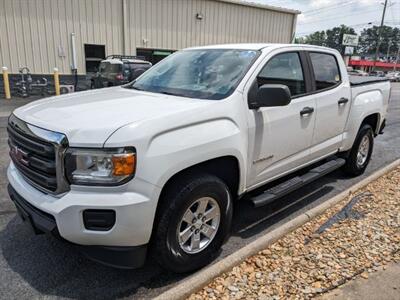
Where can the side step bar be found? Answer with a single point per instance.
(294, 183)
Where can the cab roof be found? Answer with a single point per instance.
(256, 46)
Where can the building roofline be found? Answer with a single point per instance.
(262, 6)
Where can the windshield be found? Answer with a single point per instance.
(205, 73)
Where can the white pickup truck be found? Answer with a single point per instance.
(157, 164)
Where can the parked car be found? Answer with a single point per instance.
(377, 73)
(160, 161)
(358, 73)
(393, 76)
(118, 70)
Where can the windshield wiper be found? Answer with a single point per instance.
(159, 92)
(136, 88)
(167, 93)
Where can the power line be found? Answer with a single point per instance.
(354, 26)
(334, 6)
(338, 17)
(351, 25)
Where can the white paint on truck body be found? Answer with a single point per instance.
(172, 133)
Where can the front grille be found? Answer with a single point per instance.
(37, 154)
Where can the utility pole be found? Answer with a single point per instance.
(397, 59)
(378, 41)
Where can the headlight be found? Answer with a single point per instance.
(100, 167)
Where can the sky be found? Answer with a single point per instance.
(324, 14)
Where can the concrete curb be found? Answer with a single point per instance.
(198, 280)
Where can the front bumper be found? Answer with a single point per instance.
(41, 222)
(63, 216)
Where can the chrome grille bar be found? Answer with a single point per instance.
(38, 155)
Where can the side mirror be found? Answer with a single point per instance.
(268, 95)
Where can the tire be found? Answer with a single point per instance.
(185, 194)
(356, 166)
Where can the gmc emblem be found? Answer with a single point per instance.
(18, 155)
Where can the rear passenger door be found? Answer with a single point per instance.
(332, 95)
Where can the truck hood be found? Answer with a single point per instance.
(89, 118)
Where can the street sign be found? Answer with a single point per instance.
(348, 50)
(350, 40)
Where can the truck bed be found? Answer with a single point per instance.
(362, 80)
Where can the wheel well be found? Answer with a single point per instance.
(372, 120)
(226, 168)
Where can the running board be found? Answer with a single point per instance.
(294, 183)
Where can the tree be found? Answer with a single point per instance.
(390, 37)
(317, 38)
(367, 45)
(334, 37)
(331, 38)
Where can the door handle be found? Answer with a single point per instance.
(306, 111)
(343, 101)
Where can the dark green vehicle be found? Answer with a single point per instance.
(118, 70)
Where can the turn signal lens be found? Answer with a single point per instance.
(124, 164)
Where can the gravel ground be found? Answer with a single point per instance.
(354, 238)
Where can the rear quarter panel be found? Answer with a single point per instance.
(367, 99)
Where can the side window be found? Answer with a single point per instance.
(326, 70)
(284, 69)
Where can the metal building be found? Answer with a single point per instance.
(67, 34)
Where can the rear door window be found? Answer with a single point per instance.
(326, 70)
(106, 67)
(284, 69)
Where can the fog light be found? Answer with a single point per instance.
(99, 219)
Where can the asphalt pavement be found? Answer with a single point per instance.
(43, 267)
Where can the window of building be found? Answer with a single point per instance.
(326, 70)
(94, 54)
(284, 69)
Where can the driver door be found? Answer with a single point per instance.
(280, 137)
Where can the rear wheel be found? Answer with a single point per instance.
(193, 222)
(360, 153)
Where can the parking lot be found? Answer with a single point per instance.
(41, 266)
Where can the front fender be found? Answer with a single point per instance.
(163, 154)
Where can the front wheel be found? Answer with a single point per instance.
(360, 153)
(193, 223)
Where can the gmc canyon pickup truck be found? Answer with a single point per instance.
(155, 166)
